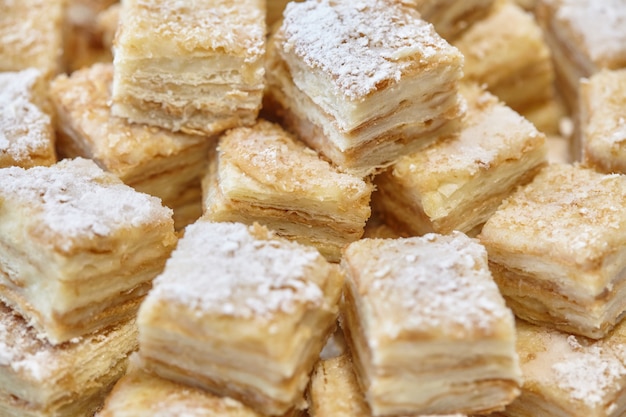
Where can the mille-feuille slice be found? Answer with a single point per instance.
(26, 129)
(166, 164)
(38, 379)
(557, 250)
(263, 174)
(362, 83)
(427, 326)
(457, 184)
(241, 313)
(78, 248)
(191, 66)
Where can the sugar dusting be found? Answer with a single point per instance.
(223, 268)
(362, 44)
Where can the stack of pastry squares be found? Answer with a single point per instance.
(31, 35)
(507, 52)
(263, 174)
(457, 184)
(452, 17)
(557, 249)
(26, 130)
(570, 376)
(68, 380)
(78, 248)
(191, 66)
(156, 161)
(409, 305)
(241, 313)
(335, 391)
(362, 83)
(602, 121)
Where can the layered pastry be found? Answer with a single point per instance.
(452, 17)
(196, 67)
(156, 161)
(31, 35)
(362, 84)
(457, 184)
(569, 376)
(557, 250)
(38, 379)
(335, 391)
(506, 51)
(78, 248)
(427, 327)
(263, 174)
(241, 313)
(26, 129)
(602, 123)
(142, 394)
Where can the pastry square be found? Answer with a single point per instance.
(557, 250)
(452, 17)
(506, 51)
(31, 35)
(362, 84)
(241, 313)
(26, 130)
(196, 67)
(156, 161)
(602, 122)
(263, 174)
(334, 390)
(427, 326)
(457, 184)
(570, 376)
(38, 379)
(142, 394)
(78, 248)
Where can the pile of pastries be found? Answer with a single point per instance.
(312, 208)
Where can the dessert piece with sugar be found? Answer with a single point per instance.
(156, 161)
(452, 17)
(457, 184)
(362, 83)
(570, 376)
(557, 250)
(335, 391)
(263, 174)
(603, 122)
(196, 67)
(78, 248)
(143, 394)
(26, 130)
(31, 36)
(427, 327)
(506, 51)
(241, 313)
(38, 379)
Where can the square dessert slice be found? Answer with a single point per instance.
(31, 36)
(262, 174)
(557, 250)
(428, 330)
(38, 379)
(570, 376)
(457, 184)
(362, 83)
(603, 122)
(156, 161)
(26, 130)
(196, 67)
(78, 248)
(452, 17)
(241, 313)
(143, 394)
(334, 390)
